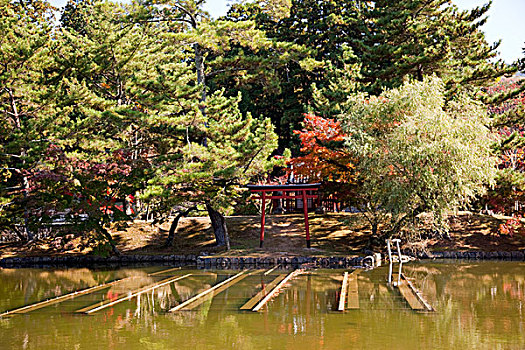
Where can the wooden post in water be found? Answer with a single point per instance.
(276, 290)
(353, 292)
(410, 298)
(197, 301)
(164, 271)
(272, 269)
(264, 291)
(417, 294)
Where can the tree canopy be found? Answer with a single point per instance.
(159, 106)
(417, 154)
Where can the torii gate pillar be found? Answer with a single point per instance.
(284, 189)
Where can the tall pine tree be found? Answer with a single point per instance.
(25, 51)
(415, 38)
(205, 148)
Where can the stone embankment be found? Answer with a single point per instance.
(200, 261)
(474, 255)
(235, 262)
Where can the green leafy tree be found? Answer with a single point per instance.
(25, 50)
(417, 155)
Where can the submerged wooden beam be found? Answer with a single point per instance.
(276, 290)
(226, 284)
(99, 306)
(164, 271)
(342, 295)
(272, 269)
(408, 295)
(353, 291)
(222, 288)
(61, 298)
(418, 295)
(262, 293)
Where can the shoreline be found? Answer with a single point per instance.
(240, 261)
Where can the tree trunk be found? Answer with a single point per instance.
(375, 238)
(419, 73)
(18, 125)
(174, 224)
(201, 80)
(199, 65)
(108, 236)
(27, 229)
(219, 227)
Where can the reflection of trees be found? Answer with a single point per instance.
(475, 299)
(477, 307)
(39, 284)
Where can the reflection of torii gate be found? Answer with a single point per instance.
(264, 189)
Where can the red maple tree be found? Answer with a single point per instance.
(324, 158)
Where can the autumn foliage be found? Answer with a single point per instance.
(323, 157)
(510, 189)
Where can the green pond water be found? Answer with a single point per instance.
(478, 306)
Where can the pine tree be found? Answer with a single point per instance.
(96, 157)
(25, 49)
(314, 37)
(133, 102)
(205, 148)
(416, 38)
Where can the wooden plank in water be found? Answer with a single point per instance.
(229, 282)
(409, 296)
(272, 269)
(353, 291)
(225, 286)
(251, 303)
(164, 271)
(276, 289)
(61, 298)
(342, 295)
(418, 295)
(99, 306)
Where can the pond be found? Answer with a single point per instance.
(479, 305)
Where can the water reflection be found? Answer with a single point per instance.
(480, 306)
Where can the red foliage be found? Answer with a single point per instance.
(81, 186)
(503, 198)
(511, 226)
(503, 86)
(324, 157)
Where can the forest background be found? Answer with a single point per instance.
(113, 111)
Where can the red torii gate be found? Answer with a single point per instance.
(263, 189)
